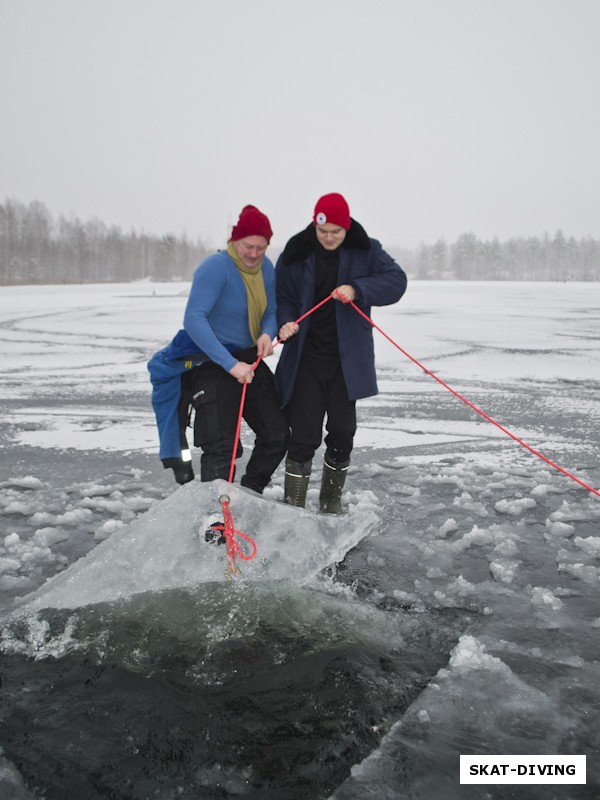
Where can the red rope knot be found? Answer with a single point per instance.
(230, 532)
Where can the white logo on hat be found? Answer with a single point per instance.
(321, 218)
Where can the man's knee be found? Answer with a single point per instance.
(215, 461)
(339, 446)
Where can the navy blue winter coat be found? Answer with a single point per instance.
(378, 281)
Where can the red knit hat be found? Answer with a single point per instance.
(252, 222)
(332, 208)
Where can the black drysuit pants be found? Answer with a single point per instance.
(216, 398)
(319, 392)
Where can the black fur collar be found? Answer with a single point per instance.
(300, 246)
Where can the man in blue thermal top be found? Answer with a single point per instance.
(229, 321)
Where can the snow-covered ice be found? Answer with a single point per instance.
(449, 516)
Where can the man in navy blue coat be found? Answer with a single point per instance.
(328, 361)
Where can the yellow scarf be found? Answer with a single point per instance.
(255, 291)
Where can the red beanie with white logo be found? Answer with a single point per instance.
(252, 222)
(332, 208)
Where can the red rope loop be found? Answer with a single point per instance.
(230, 532)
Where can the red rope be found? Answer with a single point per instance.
(245, 387)
(230, 532)
(228, 528)
(475, 408)
(239, 426)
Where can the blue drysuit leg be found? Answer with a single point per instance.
(165, 376)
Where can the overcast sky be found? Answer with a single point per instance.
(432, 117)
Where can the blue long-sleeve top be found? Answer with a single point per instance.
(215, 323)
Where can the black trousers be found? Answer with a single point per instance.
(320, 391)
(216, 398)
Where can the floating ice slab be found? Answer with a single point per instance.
(165, 547)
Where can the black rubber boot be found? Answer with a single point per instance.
(295, 488)
(332, 483)
(183, 472)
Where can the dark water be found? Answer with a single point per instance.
(262, 692)
(279, 691)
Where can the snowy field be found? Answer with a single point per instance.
(454, 610)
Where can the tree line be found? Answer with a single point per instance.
(36, 248)
(555, 258)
